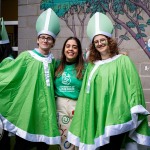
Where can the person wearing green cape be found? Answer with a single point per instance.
(6, 52)
(111, 104)
(27, 102)
(6, 56)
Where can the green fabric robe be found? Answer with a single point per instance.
(6, 61)
(27, 104)
(111, 102)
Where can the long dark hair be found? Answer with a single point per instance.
(95, 55)
(79, 64)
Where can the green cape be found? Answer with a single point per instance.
(111, 102)
(27, 104)
(6, 61)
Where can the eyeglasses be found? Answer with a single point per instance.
(102, 41)
(43, 38)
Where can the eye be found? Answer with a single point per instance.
(49, 38)
(103, 40)
(75, 47)
(67, 46)
(95, 42)
(42, 37)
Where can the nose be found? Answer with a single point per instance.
(99, 42)
(70, 48)
(45, 39)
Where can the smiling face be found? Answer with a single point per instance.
(71, 50)
(45, 42)
(101, 45)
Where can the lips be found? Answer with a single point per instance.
(70, 53)
(99, 46)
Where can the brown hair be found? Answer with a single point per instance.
(79, 64)
(95, 55)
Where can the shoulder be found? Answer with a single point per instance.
(27, 52)
(126, 62)
(23, 55)
(125, 59)
(57, 63)
(89, 65)
(85, 63)
(124, 56)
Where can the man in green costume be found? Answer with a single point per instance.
(27, 104)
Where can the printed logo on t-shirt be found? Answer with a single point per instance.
(66, 81)
(66, 78)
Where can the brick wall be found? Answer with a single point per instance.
(29, 10)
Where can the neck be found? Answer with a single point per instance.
(44, 52)
(69, 63)
(71, 60)
(104, 57)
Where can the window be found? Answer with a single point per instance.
(12, 29)
(11, 20)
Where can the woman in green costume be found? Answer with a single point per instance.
(27, 103)
(111, 104)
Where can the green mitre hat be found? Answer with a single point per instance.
(48, 23)
(3, 33)
(99, 24)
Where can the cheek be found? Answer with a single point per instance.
(51, 44)
(76, 52)
(108, 48)
(65, 52)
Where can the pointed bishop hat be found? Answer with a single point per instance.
(99, 23)
(48, 23)
(3, 33)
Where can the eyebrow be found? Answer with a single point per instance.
(70, 44)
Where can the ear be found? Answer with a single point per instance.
(37, 41)
(53, 45)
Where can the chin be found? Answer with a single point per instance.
(46, 49)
